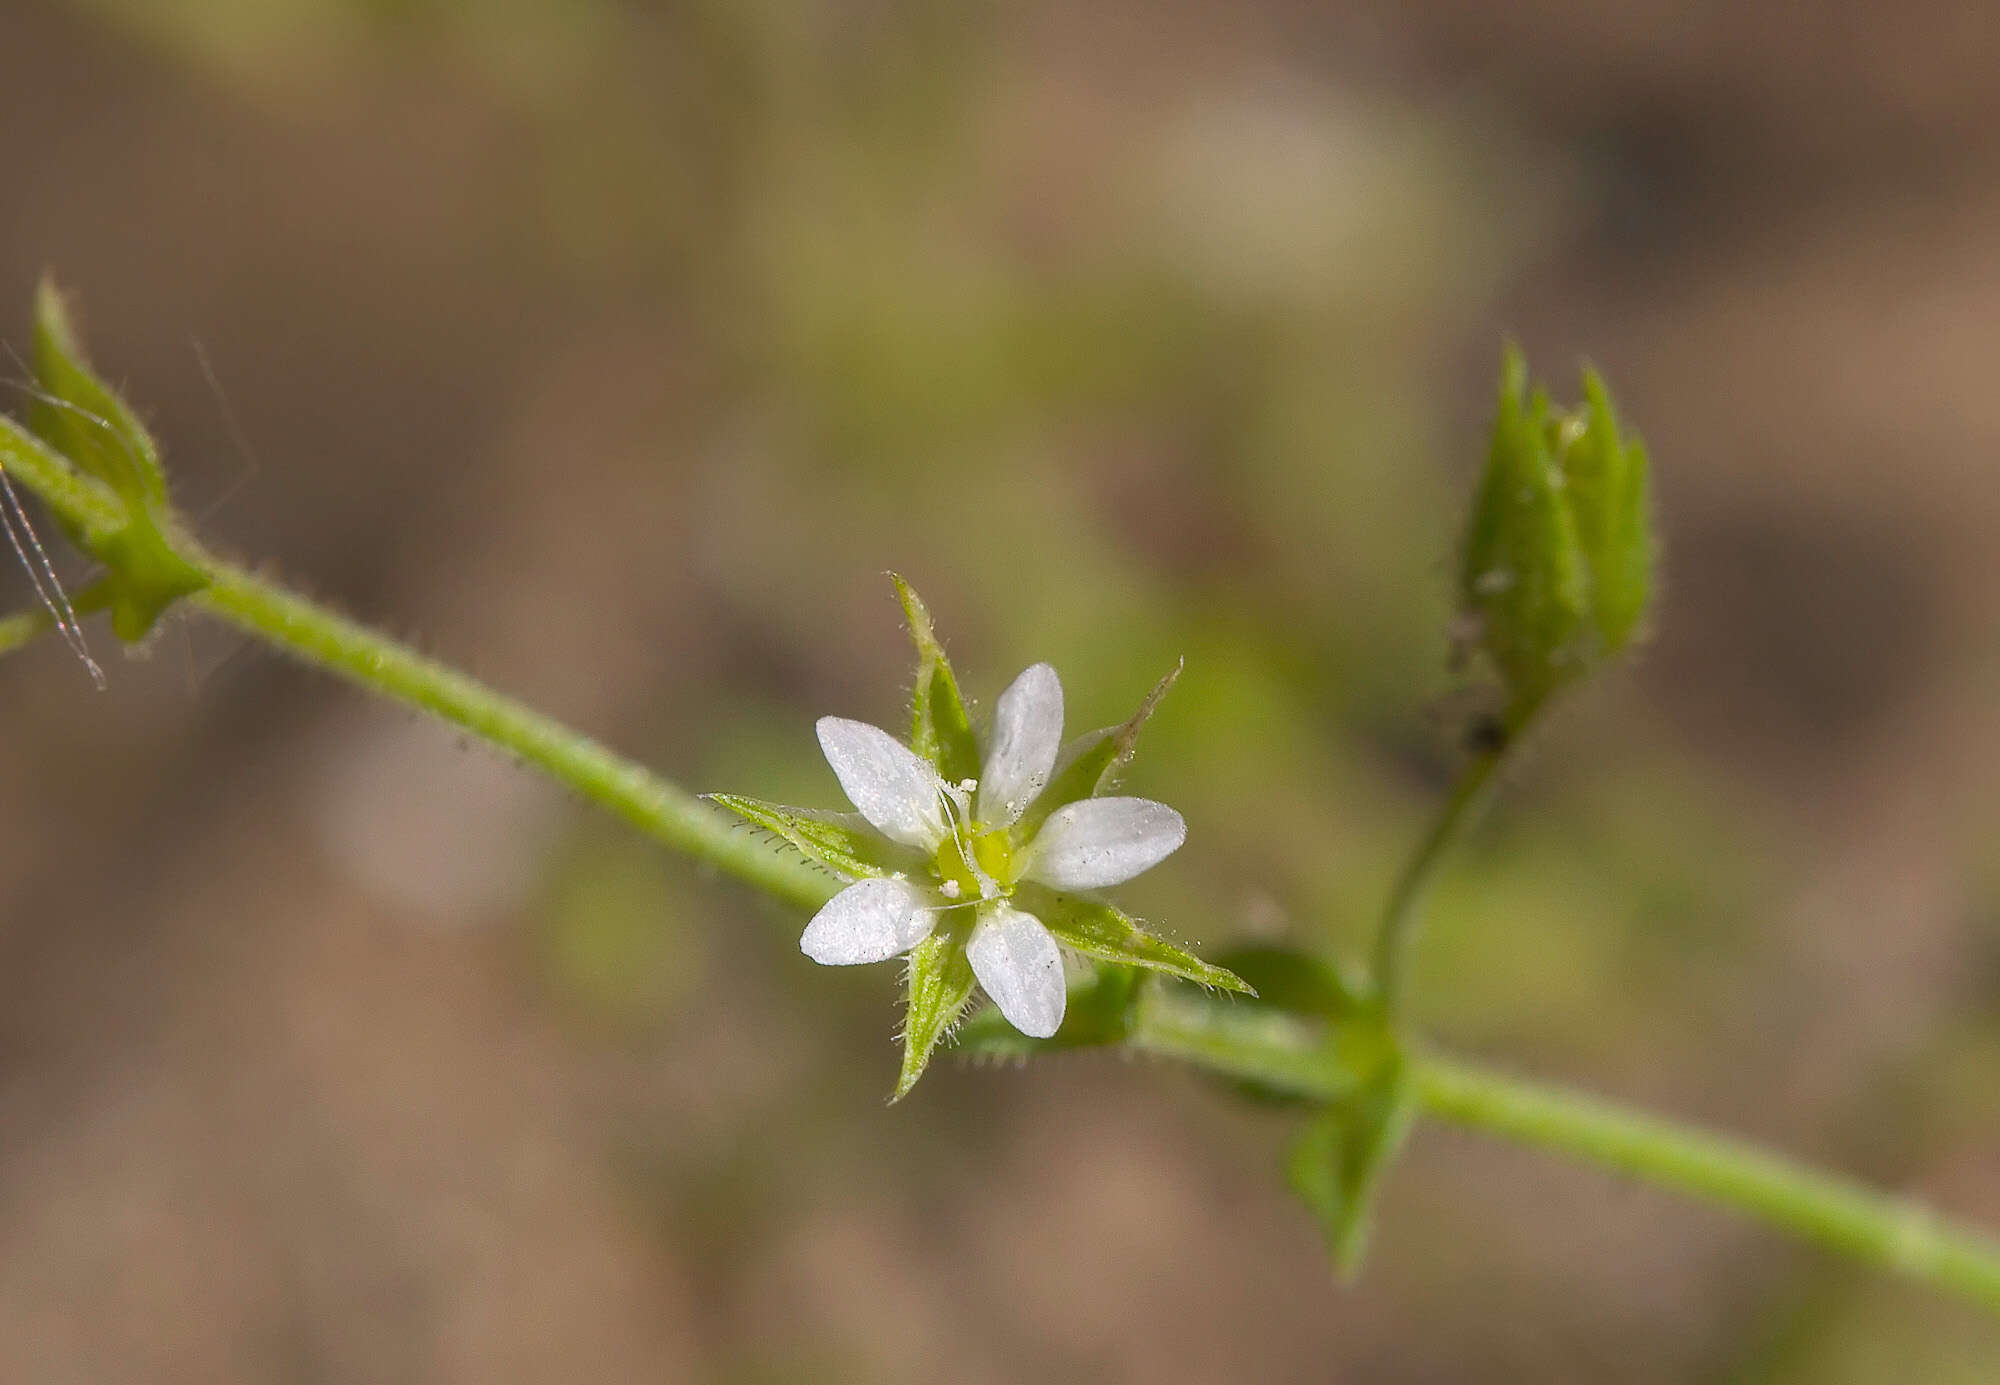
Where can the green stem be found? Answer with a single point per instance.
(1285, 1055)
(1405, 908)
(672, 815)
(1250, 1043)
(1834, 1212)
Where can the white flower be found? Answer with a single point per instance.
(977, 852)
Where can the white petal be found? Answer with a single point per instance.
(871, 921)
(893, 786)
(1017, 962)
(1100, 841)
(1027, 733)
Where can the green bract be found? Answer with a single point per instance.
(1558, 562)
(977, 858)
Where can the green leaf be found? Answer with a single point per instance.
(1096, 929)
(1091, 763)
(1610, 493)
(842, 842)
(1337, 1161)
(80, 416)
(1299, 982)
(940, 984)
(1098, 1015)
(940, 730)
(77, 415)
(1524, 577)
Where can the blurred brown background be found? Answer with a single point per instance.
(614, 350)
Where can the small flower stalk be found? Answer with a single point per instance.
(978, 862)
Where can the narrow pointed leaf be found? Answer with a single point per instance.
(842, 842)
(940, 730)
(77, 415)
(1337, 1161)
(1091, 763)
(1098, 930)
(82, 417)
(940, 984)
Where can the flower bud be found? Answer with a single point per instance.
(1559, 553)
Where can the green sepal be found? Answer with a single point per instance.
(1096, 929)
(1098, 1014)
(940, 983)
(1524, 577)
(1337, 1160)
(842, 842)
(1091, 763)
(1608, 481)
(940, 730)
(81, 417)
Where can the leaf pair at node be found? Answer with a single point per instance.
(1336, 1160)
(79, 419)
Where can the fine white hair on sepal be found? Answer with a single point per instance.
(1096, 842)
(1027, 737)
(887, 782)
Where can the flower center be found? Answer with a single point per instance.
(995, 855)
(974, 869)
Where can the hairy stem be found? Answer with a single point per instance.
(317, 636)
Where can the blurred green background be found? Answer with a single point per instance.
(614, 351)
